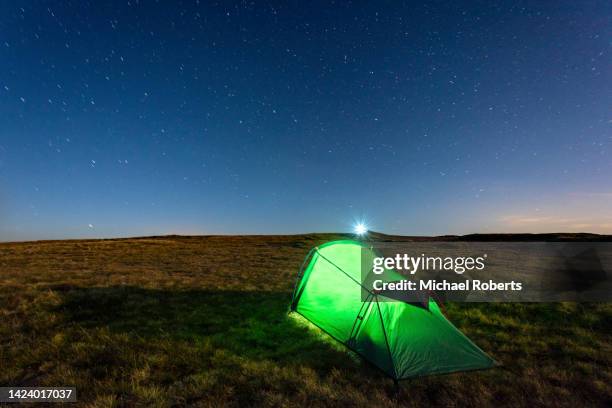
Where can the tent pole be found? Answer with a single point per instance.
(382, 323)
(396, 388)
(299, 276)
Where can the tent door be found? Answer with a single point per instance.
(365, 306)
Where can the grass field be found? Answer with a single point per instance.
(202, 321)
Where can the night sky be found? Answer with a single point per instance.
(141, 118)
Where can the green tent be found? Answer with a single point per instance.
(402, 339)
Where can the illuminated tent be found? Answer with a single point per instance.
(402, 339)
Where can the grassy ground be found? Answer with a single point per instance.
(202, 321)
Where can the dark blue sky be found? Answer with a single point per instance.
(137, 118)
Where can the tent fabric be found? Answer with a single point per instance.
(402, 339)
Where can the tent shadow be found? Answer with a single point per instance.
(250, 324)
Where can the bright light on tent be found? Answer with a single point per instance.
(360, 228)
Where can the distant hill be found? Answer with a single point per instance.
(376, 237)
(548, 237)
